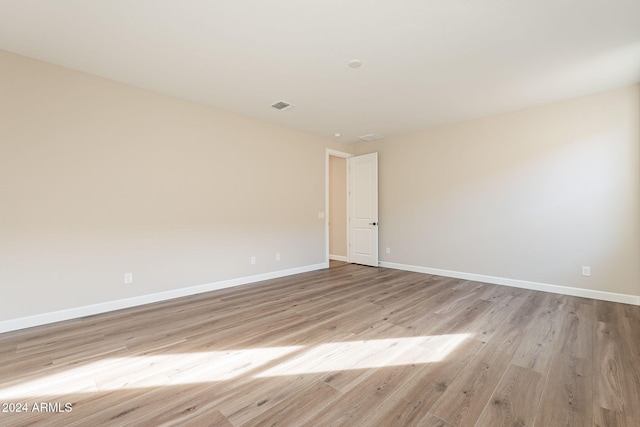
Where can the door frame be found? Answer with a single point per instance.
(334, 153)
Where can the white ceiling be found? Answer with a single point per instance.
(425, 62)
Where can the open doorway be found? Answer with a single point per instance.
(338, 209)
(351, 206)
(337, 185)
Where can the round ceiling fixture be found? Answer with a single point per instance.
(355, 63)
(337, 134)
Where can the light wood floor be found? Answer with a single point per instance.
(349, 345)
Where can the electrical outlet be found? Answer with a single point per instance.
(586, 270)
(388, 250)
(253, 260)
(321, 215)
(128, 278)
(278, 256)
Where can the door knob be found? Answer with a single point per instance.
(373, 223)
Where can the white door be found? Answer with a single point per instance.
(363, 209)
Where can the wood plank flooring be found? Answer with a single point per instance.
(349, 345)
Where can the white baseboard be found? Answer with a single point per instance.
(338, 258)
(564, 290)
(88, 310)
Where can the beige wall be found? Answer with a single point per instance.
(532, 195)
(98, 179)
(337, 206)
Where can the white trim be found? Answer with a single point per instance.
(334, 153)
(564, 290)
(88, 310)
(338, 258)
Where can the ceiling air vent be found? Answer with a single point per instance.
(282, 106)
(370, 137)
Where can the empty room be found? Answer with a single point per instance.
(296, 213)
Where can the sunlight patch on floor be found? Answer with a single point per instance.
(133, 372)
(348, 355)
(147, 371)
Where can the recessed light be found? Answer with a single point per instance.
(355, 63)
(337, 134)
